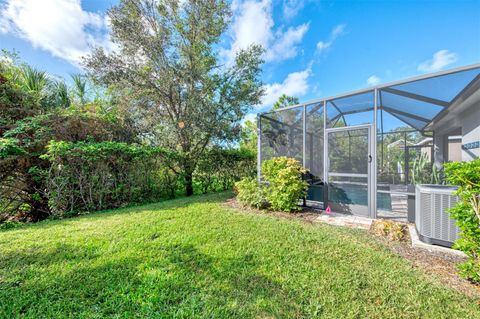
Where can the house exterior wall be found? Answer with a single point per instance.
(455, 150)
(463, 121)
(470, 120)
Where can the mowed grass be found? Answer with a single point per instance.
(195, 257)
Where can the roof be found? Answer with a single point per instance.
(416, 101)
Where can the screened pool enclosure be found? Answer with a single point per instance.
(364, 151)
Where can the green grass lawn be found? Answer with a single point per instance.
(194, 257)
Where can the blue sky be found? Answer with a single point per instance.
(314, 48)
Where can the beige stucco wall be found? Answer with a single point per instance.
(470, 120)
(454, 151)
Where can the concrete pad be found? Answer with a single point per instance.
(417, 243)
(344, 220)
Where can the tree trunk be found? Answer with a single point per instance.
(188, 183)
(188, 179)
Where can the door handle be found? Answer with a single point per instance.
(369, 158)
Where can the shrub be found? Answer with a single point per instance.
(281, 189)
(285, 185)
(391, 230)
(219, 169)
(466, 175)
(251, 193)
(88, 176)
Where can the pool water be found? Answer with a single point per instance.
(349, 194)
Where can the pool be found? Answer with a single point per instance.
(344, 193)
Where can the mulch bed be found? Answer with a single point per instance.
(443, 266)
(307, 214)
(440, 265)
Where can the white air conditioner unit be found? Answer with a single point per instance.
(432, 221)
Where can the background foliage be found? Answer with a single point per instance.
(89, 176)
(168, 70)
(71, 147)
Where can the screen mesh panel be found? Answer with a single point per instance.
(407, 106)
(348, 151)
(282, 134)
(351, 110)
(314, 151)
(444, 88)
(314, 141)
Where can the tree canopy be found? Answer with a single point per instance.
(168, 71)
(284, 101)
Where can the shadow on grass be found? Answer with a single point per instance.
(60, 253)
(182, 202)
(177, 280)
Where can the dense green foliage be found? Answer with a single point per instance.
(424, 171)
(71, 149)
(219, 169)
(34, 110)
(284, 101)
(281, 188)
(252, 193)
(195, 258)
(168, 70)
(285, 185)
(466, 175)
(88, 176)
(248, 136)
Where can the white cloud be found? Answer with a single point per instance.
(292, 7)
(439, 60)
(295, 84)
(285, 46)
(253, 24)
(373, 80)
(338, 30)
(323, 45)
(60, 27)
(334, 34)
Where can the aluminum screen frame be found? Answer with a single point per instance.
(406, 101)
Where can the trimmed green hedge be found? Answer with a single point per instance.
(89, 176)
(218, 169)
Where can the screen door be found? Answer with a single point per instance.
(349, 162)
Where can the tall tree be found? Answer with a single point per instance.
(284, 101)
(167, 69)
(248, 139)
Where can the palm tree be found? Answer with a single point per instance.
(35, 82)
(79, 88)
(60, 94)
